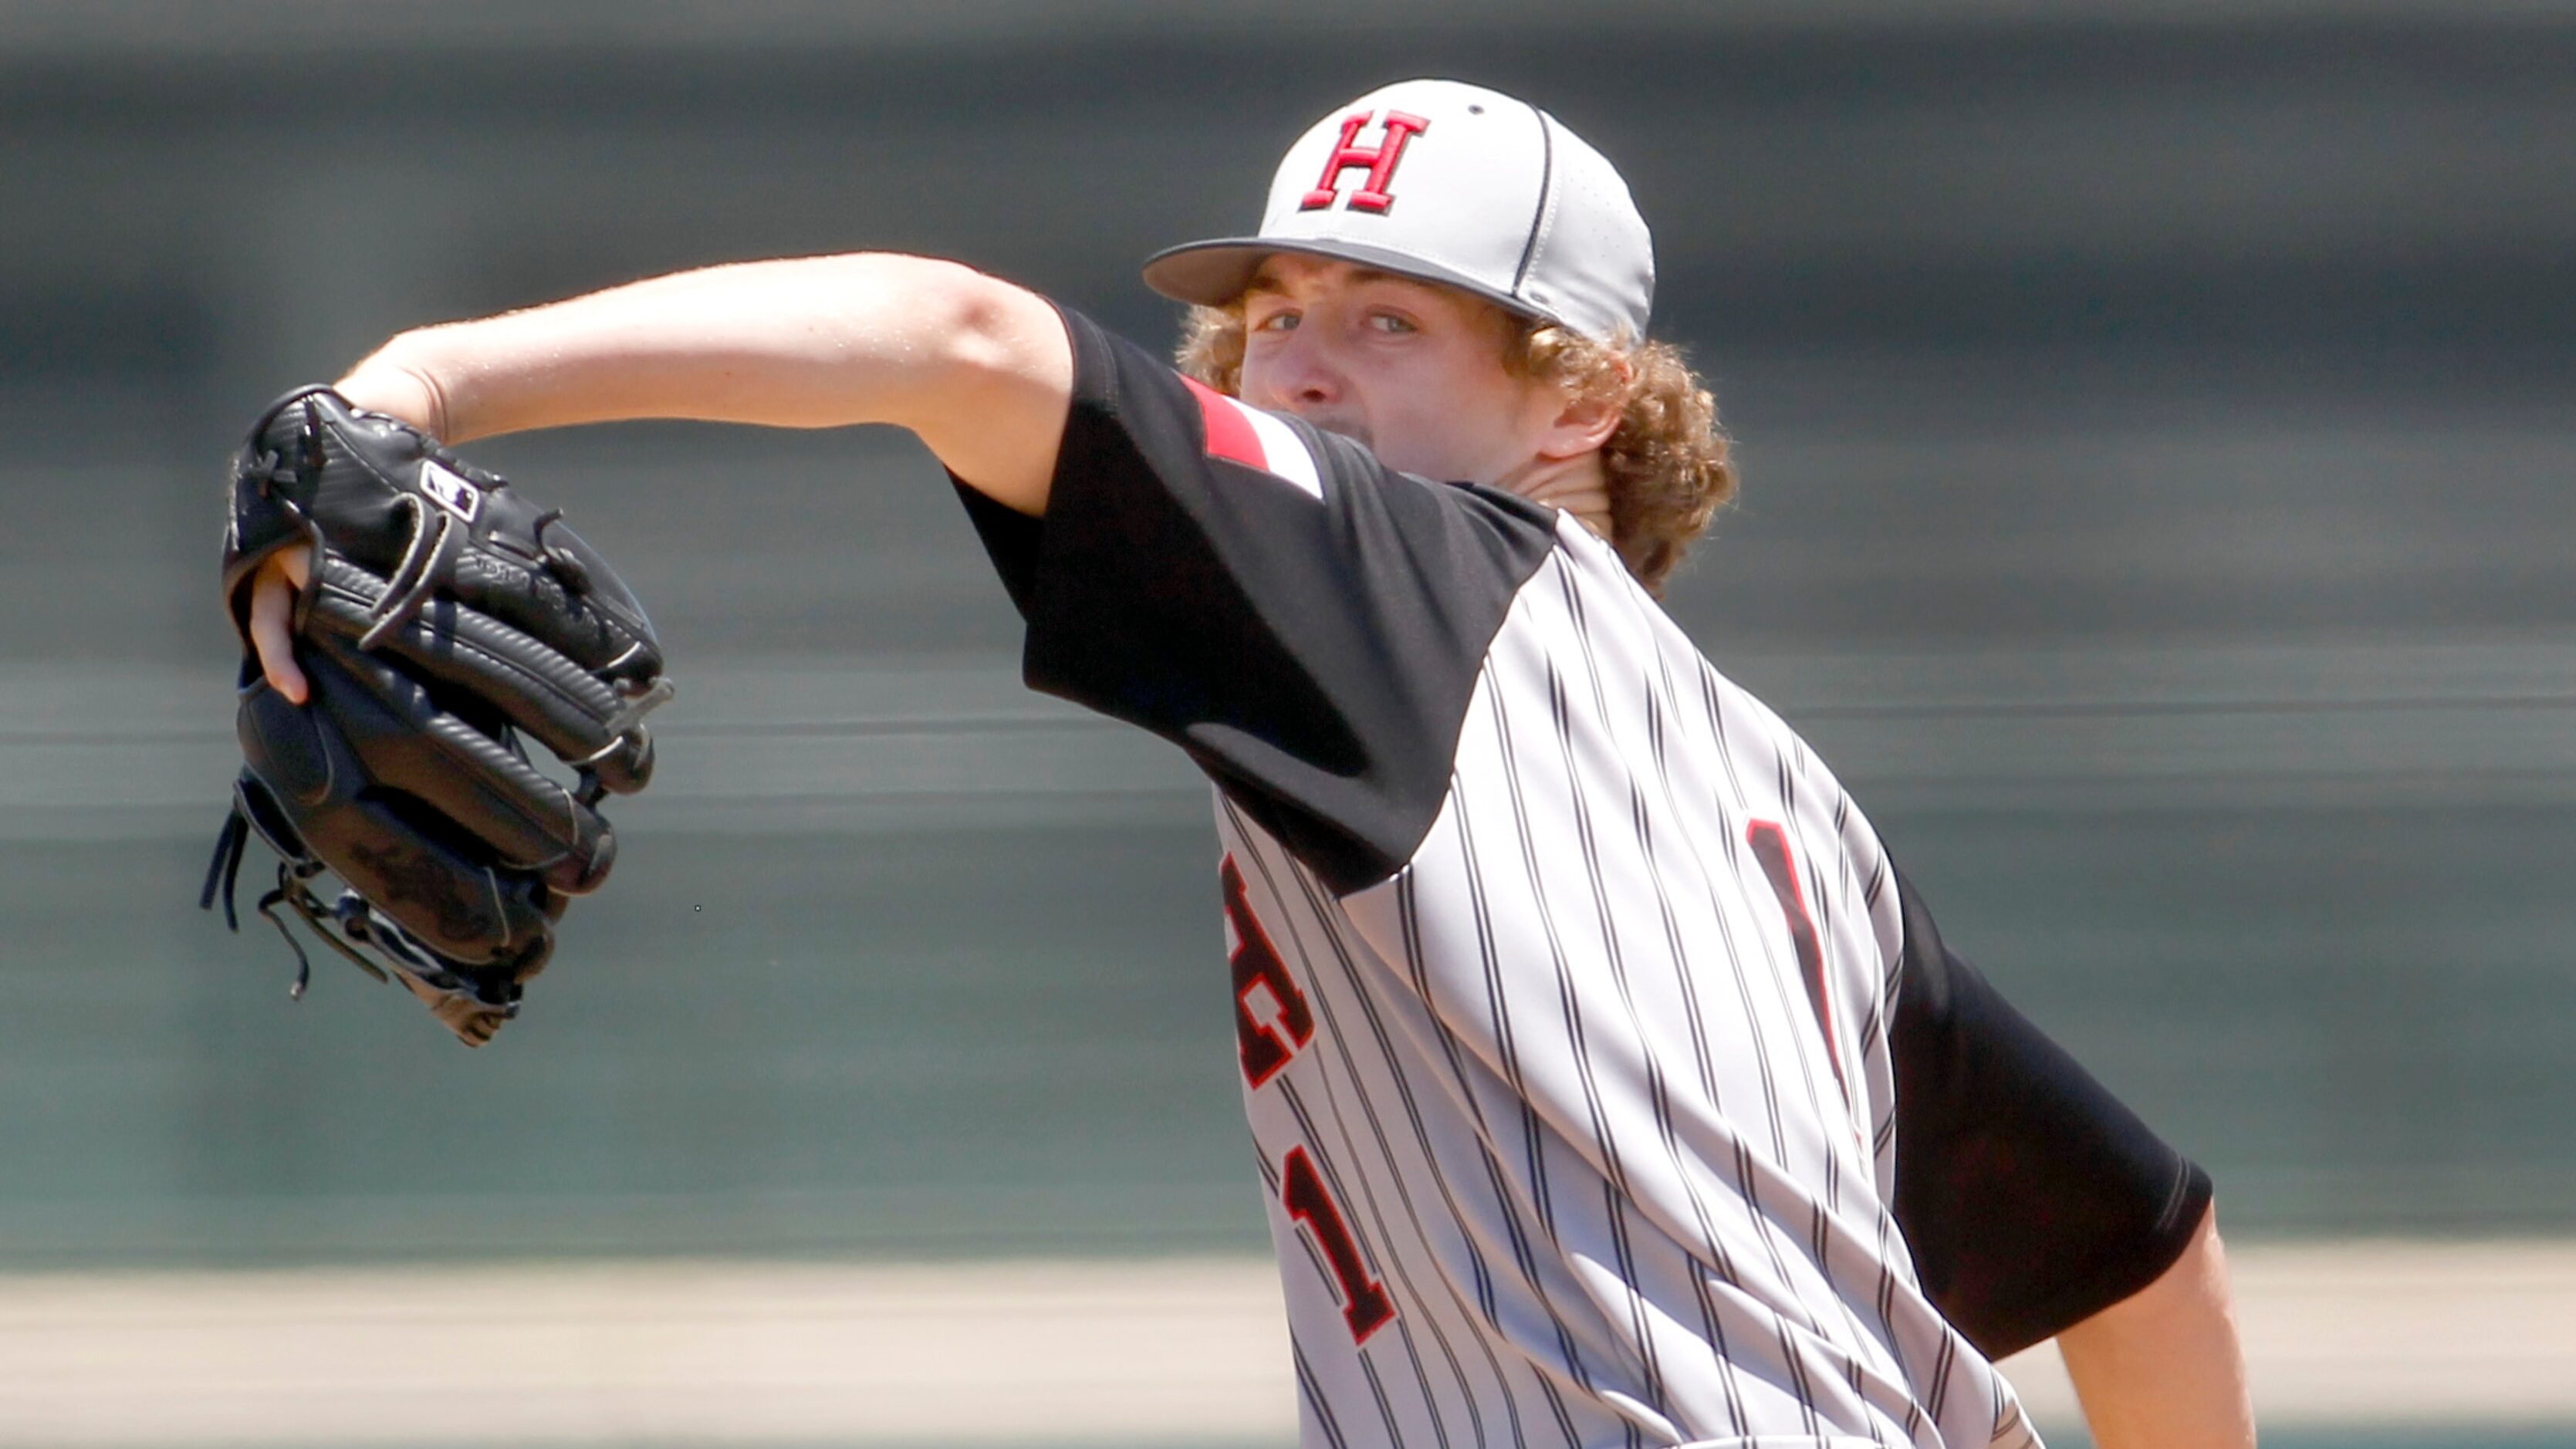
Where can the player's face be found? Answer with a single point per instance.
(1413, 370)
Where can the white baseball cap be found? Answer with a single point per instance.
(1450, 183)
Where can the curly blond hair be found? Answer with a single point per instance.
(1666, 463)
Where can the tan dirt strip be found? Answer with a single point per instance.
(1058, 1352)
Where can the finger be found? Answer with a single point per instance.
(272, 614)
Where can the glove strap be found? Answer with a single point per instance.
(225, 869)
(293, 892)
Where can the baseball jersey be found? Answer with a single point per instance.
(1607, 1083)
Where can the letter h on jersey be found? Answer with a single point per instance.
(1259, 971)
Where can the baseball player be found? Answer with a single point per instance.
(1608, 1083)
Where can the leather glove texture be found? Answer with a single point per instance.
(448, 621)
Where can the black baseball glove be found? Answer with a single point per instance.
(447, 619)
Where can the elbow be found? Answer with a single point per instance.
(936, 334)
(981, 321)
(942, 312)
(985, 378)
(986, 353)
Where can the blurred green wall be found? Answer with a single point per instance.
(2157, 437)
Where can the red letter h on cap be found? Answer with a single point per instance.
(1400, 128)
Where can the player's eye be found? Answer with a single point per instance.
(1282, 320)
(1391, 323)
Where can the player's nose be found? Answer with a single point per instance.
(1304, 374)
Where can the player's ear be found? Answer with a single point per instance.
(1586, 419)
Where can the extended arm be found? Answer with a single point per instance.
(2161, 1369)
(979, 369)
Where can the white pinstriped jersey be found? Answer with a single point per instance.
(1566, 978)
(1569, 1085)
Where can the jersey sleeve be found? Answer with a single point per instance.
(1305, 622)
(2031, 1198)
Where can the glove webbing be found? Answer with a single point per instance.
(344, 925)
(350, 912)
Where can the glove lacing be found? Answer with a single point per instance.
(350, 912)
(343, 924)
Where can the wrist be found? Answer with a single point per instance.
(394, 383)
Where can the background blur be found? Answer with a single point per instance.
(2160, 476)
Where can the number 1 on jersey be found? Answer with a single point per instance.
(1365, 1306)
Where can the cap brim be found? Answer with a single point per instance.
(1214, 273)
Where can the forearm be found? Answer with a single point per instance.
(2162, 1369)
(978, 368)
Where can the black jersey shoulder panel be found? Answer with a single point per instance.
(2030, 1196)
(1314, 657)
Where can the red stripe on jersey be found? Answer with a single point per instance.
(1229, 432)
